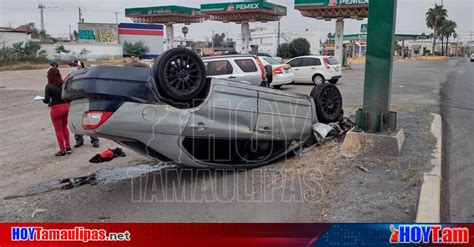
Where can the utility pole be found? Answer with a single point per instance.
(278, 39)
(80, 15)
(116, 18)
(212, 39)
(70, 36)
(42, 7)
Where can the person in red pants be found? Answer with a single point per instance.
(59, 110)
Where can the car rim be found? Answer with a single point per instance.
(183, 74)
(330, 102)
(318, 80)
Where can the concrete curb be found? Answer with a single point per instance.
(430, 195)
(433, 58)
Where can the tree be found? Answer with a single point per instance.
(284, 51)
(330, 37)
(446, 29)
(434, 17)
(60, 49)
(397, 47)
(450, 30)
(84, 52)
(32, 49)
(24, 51)
(35, 34)
(218, 39)
(299, 47)
(137, 48)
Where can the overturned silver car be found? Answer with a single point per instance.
(174, 113)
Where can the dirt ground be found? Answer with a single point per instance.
(323, 185)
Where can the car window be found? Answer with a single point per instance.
(311, 61)
(332, 61)
(296, 62)
(247, 65)
(271, 61)
(221, 67)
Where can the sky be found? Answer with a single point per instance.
(60, 15)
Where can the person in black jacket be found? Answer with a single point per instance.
(59, 110)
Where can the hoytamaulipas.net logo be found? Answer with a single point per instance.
(429, 234)
(79, 234)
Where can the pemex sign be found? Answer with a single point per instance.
(242, 7)
(330, 3)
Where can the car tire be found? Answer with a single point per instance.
(277, 86)
(318, 79)
(328, 100)
(179, 75)
(333, 81)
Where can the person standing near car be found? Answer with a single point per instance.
(59, 110)
(53, 64)
(75, 66)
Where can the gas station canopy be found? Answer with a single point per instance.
(333, 9)
(238, 12)
(165, 14)
(363, 36)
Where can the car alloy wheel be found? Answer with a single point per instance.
(328, 101)
(182, 74)
(318, 79)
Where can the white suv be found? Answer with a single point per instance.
(243, 68)
(316, 69)
(472, 57)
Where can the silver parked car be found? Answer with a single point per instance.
(173, 112)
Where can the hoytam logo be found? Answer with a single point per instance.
(80, 234)
(435, 234)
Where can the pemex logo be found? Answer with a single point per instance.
(231, 7)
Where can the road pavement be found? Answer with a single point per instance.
(457, 108)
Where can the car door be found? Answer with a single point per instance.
(229, 112)
(284, 120)
(220, 128)
(311, 66)
(296, 67)
(282, 116)
(249, 70)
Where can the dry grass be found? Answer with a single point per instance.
(24, 66)
(45, 65)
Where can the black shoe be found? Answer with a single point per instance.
(78, 144)
(60, 154)
(68, 150)
(96, 145)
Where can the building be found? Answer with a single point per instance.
(419, 47)
(266, 40)
(182, 42)
(150, 34)
(98, 33)
(10, 36)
